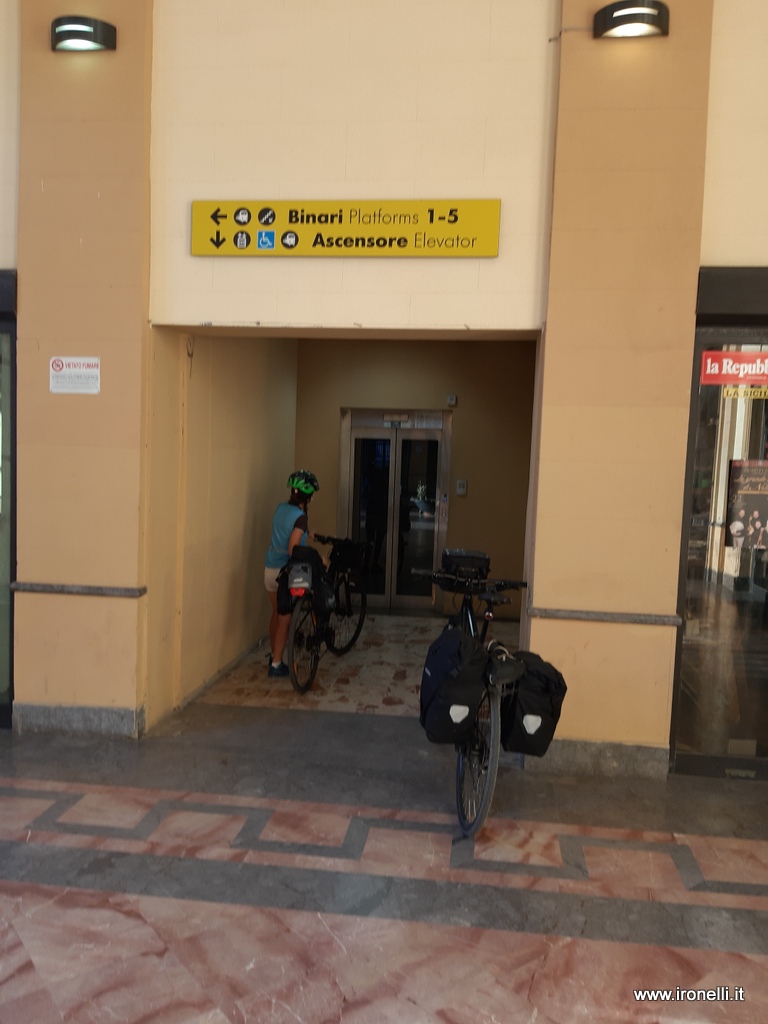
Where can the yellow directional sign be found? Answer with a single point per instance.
(388, 228)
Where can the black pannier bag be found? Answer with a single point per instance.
(305, 571)
(284, 599)
(322, 591)
(529, 715)
(305, 560)
(452, 685)
(300, 576)
(324, 597)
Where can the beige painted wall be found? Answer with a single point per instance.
(83, 291)
(222, 434)
(76, 652)
(735, 229)
(352, 99)
(9, 129)
(239, 397)
(163, 553)
(491, 428)
(629, 177)
(618, 676)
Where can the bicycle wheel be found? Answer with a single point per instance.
(303, 647)
(477, 763)
(347, 618)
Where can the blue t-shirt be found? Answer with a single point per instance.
(286, 519)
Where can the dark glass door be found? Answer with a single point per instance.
(372, 496)
(395, 500)
(6, 519)
(721, 707)
(418, 454)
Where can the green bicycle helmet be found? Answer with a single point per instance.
(303, 481)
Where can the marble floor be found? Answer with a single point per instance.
(381, 675)
(268, 857)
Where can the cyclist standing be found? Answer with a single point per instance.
(290, 527)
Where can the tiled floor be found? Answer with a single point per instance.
(379, 676)
(274, 858)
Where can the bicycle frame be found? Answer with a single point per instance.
(477, 757)
(316, 624)
(467, 616)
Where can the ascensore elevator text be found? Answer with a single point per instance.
(410, 228)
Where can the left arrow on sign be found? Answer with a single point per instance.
(219, 240)
(217, 216)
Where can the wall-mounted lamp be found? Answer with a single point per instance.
(72, 32)
(630, 18)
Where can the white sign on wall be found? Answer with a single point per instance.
(75, 375)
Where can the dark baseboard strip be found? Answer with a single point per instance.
(128, 723)
(600, 759)
(82, 591)
(715, 766)
(629, 618)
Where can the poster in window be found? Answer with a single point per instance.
(747, 524)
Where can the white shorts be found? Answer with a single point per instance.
(270, 579)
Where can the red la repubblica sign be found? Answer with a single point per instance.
(734, 368)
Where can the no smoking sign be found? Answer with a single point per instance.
(75, 375)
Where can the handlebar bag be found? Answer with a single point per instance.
(452, 685)
(530, 713)
(471, 564)
(347, 554)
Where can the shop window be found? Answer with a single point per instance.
(722, 685)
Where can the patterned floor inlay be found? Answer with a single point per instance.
(589, 862)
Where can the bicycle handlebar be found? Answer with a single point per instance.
(327, 539)
(455, 583)
(342, 544)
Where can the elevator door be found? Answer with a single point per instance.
(396, 503)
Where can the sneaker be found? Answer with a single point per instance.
(278, 671)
